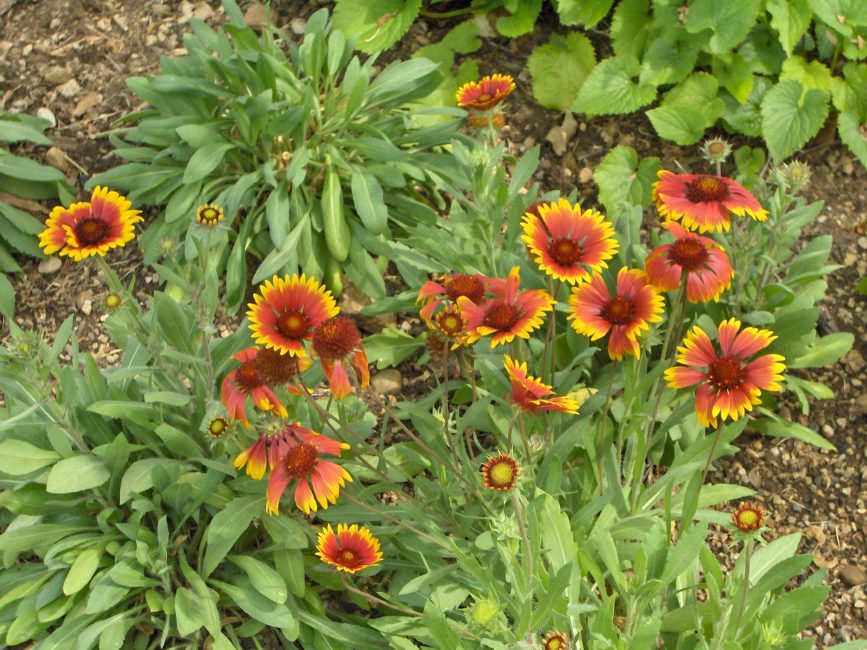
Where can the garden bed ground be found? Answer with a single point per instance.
(72, 59)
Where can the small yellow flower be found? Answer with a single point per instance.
(218, 427)
(748, 517)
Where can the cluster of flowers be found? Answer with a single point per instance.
(286, 313)
(574, 246)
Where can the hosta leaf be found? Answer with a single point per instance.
(849, 93)
(853, 135)
(378, 24)
(613, 88)
(583, 12)
(688, 109)
(622, 180)
(790, 18)
(811, 75)
(841, 15)
(521, 21)
(629, 27)
(559, 68)
(791, 117)
(729, 21)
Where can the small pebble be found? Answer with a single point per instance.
(49, 265)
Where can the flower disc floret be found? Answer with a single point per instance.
(729, 383)
(218, 427)
(90, 228)
(287, 310)
(350, 549)
(703, 202)
(635, 304)
(565, 242)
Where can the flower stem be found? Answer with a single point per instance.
(603, 420)
(519, 517)
(398, 522)
(745, 589)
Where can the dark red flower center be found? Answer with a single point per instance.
(91, 232)
(725, 373)
(618, 310)
(300, 460)
(247, 376)
(275, 368)
(565, 251)
(501, 316)
(689, 253)
(706, 189)
(336, 338)
(292, 324)
(465, 285)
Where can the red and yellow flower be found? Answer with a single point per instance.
(486, 93)
(295, 454)
(748, 517)
(512, 313)
(705, 263)
(555, 641)
(500, 472)
(530, 394)
(247, 381)
(334, 341)
(702, 202)
(350, 549)
(635, 304)
(288, 310)
(449, 289)
(91, 227)
(566, 243)
(729, 384)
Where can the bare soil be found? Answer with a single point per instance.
(72, 58)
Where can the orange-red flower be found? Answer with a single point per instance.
(333, 342)
(530, 394)
(729, 385)
(500, 472)
(295, 453)
(748, 517)
(90, 228)
(247, 381)
(450, 288)
(555, 641)
(512, 313)
(635, 304)
(705, 263)
(701, 202)
(287, 311)
(566, 243)
(486, 93)
(351, 549)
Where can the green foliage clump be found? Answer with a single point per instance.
(303, 145)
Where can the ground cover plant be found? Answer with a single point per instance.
(550, 491)
(770, 69)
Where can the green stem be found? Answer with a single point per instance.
(398, 522)
(745, 589)
(427, 13)
(519, 518)
(603, 421)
